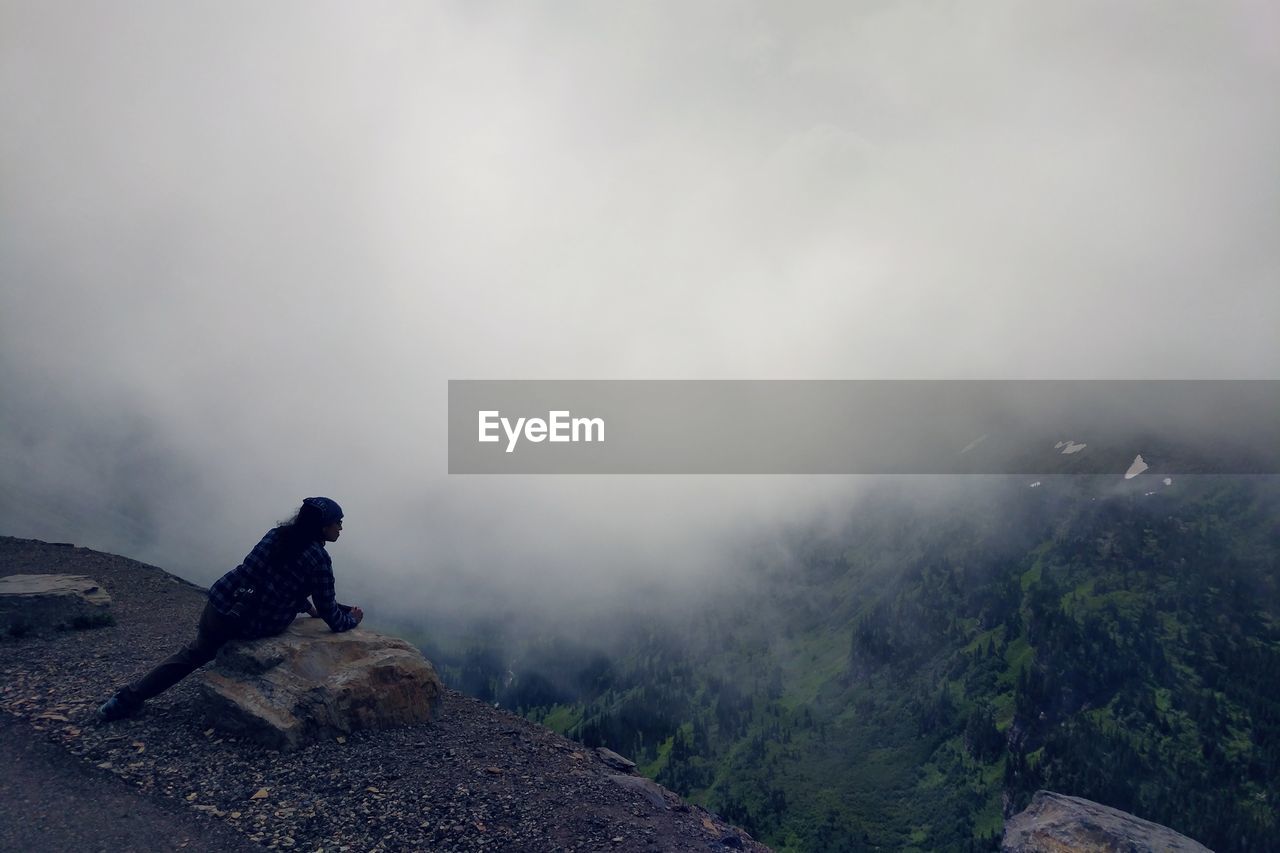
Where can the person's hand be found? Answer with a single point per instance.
(357, 613)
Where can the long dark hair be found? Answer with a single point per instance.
(298, 533)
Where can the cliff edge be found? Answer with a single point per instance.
(475, 778)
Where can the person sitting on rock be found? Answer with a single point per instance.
(258, 598)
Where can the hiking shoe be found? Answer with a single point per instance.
(114, 709)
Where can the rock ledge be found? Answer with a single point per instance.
(47, 603)
(1055, 823)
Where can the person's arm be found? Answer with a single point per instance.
(322, 593)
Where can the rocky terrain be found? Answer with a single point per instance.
(476, 778)
(1055, 823)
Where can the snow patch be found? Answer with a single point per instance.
(1136, 468)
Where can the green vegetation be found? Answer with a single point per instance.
(95, 620)
(908, 680)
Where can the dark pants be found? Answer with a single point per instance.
(213, 631)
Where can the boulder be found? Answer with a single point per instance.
(1055, 823)
(657, 795)
(42, 604)
(311, 683)
(617, 762)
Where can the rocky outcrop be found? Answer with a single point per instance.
(614, 760)
(44, 604)
(311, 683)
(657, 795)
(1055, 823)
(476, 778)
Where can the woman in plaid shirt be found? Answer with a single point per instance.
(258, 598)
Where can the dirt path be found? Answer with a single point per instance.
(50, 801)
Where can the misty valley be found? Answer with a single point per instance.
(908, 677)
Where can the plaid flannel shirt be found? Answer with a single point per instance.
(280, 590)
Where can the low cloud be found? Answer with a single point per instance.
(242, 249)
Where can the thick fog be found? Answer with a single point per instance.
(244, 246)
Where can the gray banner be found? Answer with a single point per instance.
(864, 427)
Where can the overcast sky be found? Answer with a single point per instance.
(243, 246)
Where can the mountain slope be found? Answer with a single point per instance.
(909, 679)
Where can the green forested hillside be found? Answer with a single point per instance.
(905, 679)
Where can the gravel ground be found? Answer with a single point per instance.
(475, 779)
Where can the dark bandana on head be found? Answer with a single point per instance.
(328, 508)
